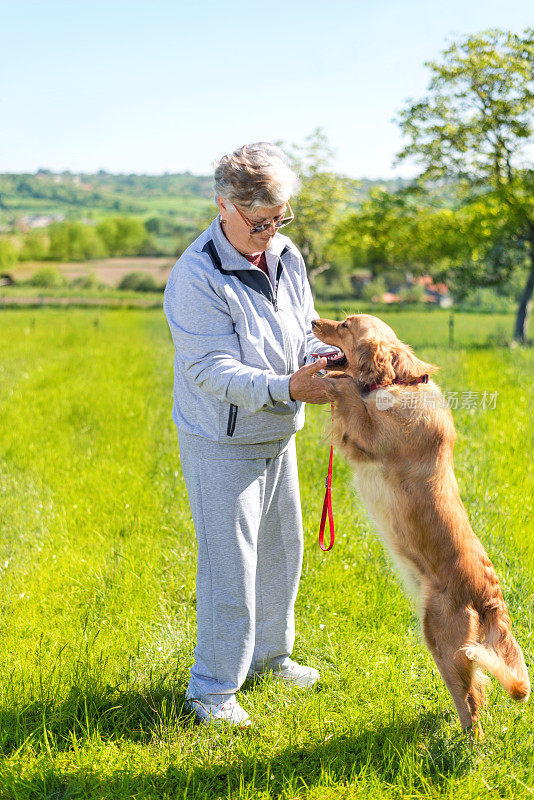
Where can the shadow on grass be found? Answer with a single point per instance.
(135, 715)
(405, 754)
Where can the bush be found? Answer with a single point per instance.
(500, 337)
(139, 282)
(89, 281)
(486, 298)
(48, 278)
(374, 288)
(412, 294)
(158, 226)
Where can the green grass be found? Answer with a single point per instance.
(97, 563)
(18, 295)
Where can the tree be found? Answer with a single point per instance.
(322, 196)
(470, 246)
(123, 236)
(399, 232)
(9, 254)
(480, 246)
(473, 127)
(73, 241)
(35, 245)
(378, 235)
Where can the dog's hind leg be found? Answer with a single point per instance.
(447, 633)
(476, 697)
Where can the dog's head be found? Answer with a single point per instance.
(371, 352)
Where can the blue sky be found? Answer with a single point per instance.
(159, 86)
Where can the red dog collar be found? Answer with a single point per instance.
(373, 386)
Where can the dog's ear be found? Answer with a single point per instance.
(407, 366)
(375, 362)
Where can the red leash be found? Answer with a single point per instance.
(327, 505)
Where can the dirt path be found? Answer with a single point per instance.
(108, 270)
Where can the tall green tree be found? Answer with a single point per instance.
(123, 236)
(380, 234)
(474, 127)
(74, 241)
(468, 246)
(35, 245)
(9, 254)
(322, 196)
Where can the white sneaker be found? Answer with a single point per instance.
(209, 714)
(292, 673)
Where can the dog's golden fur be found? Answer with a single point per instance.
(400, 444)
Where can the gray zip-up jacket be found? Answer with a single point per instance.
(238, 336)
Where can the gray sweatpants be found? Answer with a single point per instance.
(246, 511)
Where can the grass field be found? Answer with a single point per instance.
(187, 208)
(97, 563)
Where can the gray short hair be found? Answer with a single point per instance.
(255, 175)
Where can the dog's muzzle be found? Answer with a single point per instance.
(334, 359)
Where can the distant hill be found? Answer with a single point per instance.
(185, 197)
(91, 196)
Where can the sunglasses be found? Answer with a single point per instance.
(278, 222)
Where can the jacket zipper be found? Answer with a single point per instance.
(274, 300)
(287, 350)
(232, 413)
(232, 417)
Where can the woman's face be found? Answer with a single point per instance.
(237, 231)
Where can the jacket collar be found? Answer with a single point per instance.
(232, 258)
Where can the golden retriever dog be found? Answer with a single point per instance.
(393, 425)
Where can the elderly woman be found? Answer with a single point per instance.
(239, 308)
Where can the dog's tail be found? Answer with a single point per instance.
(502, 657)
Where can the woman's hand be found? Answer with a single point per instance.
(306, 386)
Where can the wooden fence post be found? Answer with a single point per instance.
(451, 329)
